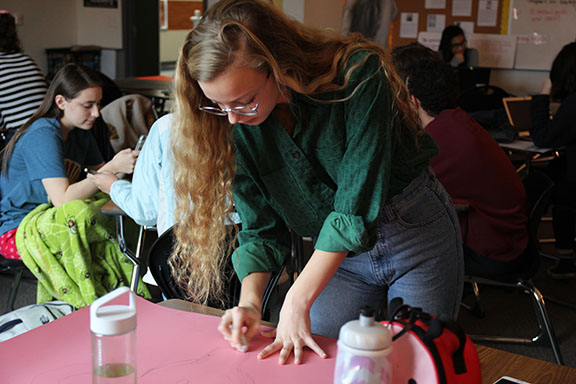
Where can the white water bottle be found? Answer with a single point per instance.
(363, 349)
(113, 330)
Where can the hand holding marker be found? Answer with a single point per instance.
(244, 347)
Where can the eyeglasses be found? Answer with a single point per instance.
(460, 44)
(244, 110)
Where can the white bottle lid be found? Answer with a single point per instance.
(112, 320)
(365, 334)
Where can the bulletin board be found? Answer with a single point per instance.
(543, 27)
(419, 7)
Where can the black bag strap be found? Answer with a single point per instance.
(458, 355)
(399, 315)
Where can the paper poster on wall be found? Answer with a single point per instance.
(487, 13)
(435, 23)
(494, 51)
(430, 39)
(461, 7)
(467, 26)
(409, 24)
(435, 4)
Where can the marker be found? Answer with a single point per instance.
(244, 347)
(88, 170)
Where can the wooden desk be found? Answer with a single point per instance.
(526, 146)
(495, 363)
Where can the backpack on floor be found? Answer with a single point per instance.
(426, 349)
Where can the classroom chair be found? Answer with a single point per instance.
(158, 256)
(15, 268)
(539, 189)
(128, 118)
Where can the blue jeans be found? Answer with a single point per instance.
(418, 257)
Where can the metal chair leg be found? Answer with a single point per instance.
(544, 319)
(476, 308)
(14, 290)
(544, 324)
(139, 253)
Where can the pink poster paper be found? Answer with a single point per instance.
(173, 347)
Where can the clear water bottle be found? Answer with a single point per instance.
(113, 330)
(363, 349)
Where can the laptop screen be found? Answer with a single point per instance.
(518, 111)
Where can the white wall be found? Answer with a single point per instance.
(294, 8)
(518, 82)
(64, 23)
(170, 43)
(99, 26)
(45, 24)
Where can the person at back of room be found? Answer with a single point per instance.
(22, 84)
(314, 132)
(559, 131)
(471, 165)
(45, 220)
(454, 48)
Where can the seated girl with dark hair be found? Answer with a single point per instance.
(48, 218)
(454, 49)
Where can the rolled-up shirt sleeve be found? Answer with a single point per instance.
(364, 171)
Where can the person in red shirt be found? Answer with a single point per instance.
(475, 171)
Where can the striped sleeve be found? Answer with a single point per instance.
(22, 89)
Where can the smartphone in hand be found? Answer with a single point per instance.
(140, 143)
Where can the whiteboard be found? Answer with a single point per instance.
(494, 51)
(543, 27)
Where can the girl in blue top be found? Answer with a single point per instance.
(40, 180)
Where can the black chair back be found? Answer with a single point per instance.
(158, 256)
(482, 98)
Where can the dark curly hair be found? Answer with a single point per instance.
(9, 42)
(429, 78)
(563, 73)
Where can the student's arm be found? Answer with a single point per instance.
(60, 191)
(123, 162)
(103, 181)
(293, 332)
(247, 313)
(140, 198)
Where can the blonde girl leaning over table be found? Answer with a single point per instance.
(45, 217)
(312, 132)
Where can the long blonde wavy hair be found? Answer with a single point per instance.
(242, 33)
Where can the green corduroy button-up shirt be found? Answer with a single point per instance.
(330, 179)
